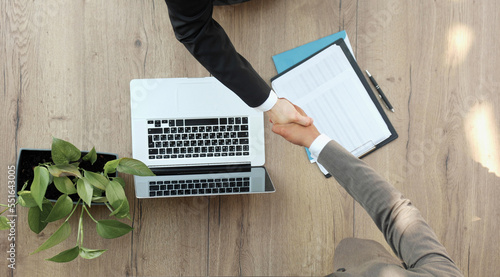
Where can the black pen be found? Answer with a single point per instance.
(380, 92)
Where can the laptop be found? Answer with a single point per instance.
(198, 137)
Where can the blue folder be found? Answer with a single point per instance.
(289, 58)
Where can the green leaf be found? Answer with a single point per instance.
(110, 167)
(36, 217)
(51, 178)
(117, 210)
(110, 229)
(4, 223)
(62, 208)
(97, 180)
(118, 200)
(57, 237)
(39, 184)
(123, 211)
(26, 199)
(91, 156)
(62, 170)
(66, 256)
(90, 253)
(115, 194)
(64, 152)
(134, 167)
(99, 199)
(84, 190)
(97, 192)
(64, 185)
(120, 180)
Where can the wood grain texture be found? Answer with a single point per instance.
(439, 81)
(65, 68)
(307, 215)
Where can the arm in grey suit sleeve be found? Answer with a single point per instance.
(207, 41)
(402, 225)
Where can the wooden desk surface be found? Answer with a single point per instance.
(65, 72)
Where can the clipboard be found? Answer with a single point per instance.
(346, 52)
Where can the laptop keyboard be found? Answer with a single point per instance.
(198, 138)
(199, 187)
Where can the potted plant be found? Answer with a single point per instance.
(57, 185)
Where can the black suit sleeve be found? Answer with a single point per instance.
(207, 41)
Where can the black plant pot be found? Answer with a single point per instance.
(30, 158)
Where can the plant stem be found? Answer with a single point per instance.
(9, 207)
(81, 219)
(79, 238)
(24, 186)
(107, 205)
(4, 210)
(74, 209)
(89, 214)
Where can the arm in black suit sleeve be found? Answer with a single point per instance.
(209, 44)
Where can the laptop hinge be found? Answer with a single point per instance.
(204, 169)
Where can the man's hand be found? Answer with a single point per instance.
(295, 133)
(285, 112)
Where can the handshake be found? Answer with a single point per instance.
(292, 123)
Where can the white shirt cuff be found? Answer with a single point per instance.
(318, 144)
(269, 103)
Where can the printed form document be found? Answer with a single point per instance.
(328, 89)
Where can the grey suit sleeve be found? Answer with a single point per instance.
(207, 41)
(402, 225)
